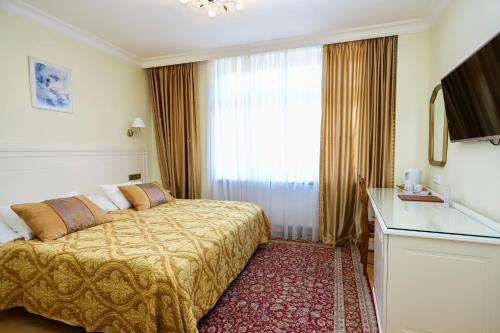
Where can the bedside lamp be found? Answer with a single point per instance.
(136, 126)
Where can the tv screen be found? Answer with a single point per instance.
(472, 95)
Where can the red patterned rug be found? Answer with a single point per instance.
(296, 287)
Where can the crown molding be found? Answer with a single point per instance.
(31, 13)
(338, 36)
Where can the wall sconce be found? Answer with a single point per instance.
(136, 126)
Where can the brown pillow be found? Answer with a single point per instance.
(145, 196)
(55, 218)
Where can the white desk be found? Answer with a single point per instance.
(436, 269)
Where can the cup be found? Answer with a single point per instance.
(409, 187)
(418, 188)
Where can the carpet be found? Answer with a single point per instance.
(296, 287)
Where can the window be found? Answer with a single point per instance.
(266, 116)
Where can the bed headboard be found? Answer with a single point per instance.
(38, 172)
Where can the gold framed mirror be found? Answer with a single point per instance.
(438, 129)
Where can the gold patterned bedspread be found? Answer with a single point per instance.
(158, 270)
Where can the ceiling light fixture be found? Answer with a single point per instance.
(215, 6)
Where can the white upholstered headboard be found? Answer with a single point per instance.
(39, 172)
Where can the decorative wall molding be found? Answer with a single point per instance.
(372, 31)
(65, 148)
(31, 13)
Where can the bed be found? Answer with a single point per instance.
(158, 270)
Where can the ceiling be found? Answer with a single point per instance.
(156, 28)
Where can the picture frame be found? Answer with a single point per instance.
(50, 86)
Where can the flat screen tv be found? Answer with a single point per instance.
(472, 95)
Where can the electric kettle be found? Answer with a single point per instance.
(412, 176)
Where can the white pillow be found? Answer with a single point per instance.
(17, 224)
(102, 202)
(6, 233)
(116, 196)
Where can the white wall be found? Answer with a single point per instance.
(412, 103)
(154, 166)
(107, 92)
(473, 169)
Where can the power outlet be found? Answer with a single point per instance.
(135, 176)
(437, 179)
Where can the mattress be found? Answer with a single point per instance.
(158, 270)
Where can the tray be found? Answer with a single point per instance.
(425, 191)
(422, 198)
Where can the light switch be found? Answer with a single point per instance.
(437, 179)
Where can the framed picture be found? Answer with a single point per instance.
(50, 86)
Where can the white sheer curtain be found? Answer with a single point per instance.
(264, 117)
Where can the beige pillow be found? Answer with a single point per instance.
(145, 196)
(55, 218)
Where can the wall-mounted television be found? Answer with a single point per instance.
(472, 95)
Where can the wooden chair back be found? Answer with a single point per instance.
(365, 232)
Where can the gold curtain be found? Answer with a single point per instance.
(176, 126)
(357, 130)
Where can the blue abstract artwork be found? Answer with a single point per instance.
(50, 86)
